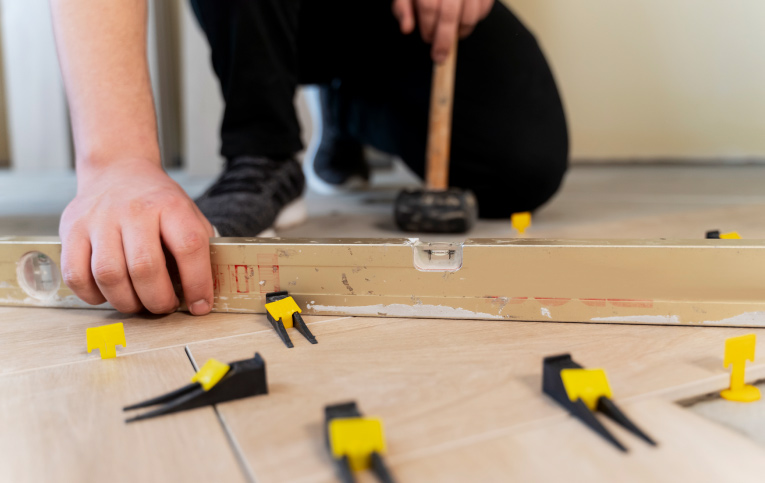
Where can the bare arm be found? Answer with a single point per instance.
(126, 205)
(102, 52)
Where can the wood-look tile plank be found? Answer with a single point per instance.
(436, 381)
(31, 338)
(690, 449)
(66, 424)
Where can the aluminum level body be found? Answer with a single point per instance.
(709, 282)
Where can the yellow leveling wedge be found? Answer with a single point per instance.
(737, 351)
(589, 385)
(357, 438)
(210, 373)
(521, 221)
(106, 338)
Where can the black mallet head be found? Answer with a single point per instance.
(450, 211)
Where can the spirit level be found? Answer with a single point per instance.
(700, 282)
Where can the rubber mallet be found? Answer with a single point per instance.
(438, 208)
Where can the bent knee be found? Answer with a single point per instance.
(519, 186)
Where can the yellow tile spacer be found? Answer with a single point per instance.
(737, 351)
(283, 309)
(586, 384)
(730, 236)
(106, 338)
(521, 221)
(210, 373)
(356, 438)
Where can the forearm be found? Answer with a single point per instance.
(102, 52)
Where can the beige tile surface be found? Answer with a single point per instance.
(690, 449)
(66, 424)
(32, 338)
(445, 382)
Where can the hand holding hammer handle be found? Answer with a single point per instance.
(438, 208)
(440, 128)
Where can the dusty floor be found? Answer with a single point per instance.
(602, 201)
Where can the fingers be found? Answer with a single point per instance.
(188, 241)
(427, 15)
(446, 29)
(107, 264)
(75, 268)
(146, 265)
(471, 14)
(404, 12)
(205, 222)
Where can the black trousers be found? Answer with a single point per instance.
(509, 137)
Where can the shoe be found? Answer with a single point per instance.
(253, 196)
(333, 163)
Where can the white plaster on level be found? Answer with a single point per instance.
(401, 310)
(546, 312)
(69, 302)
(641, 319)
(747, 318)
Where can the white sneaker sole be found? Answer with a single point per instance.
(315, 183)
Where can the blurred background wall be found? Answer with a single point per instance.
(662, 79)
(654, 80)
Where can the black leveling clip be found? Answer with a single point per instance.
(581, 392)
(214, 383)
(355, 443)
(282, 311)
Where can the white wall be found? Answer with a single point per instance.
(657, 78)
(37, 115)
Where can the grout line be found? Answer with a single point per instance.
(238, 453)
(185, 344)
(673, 395)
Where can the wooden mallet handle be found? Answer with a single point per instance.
(440, 127)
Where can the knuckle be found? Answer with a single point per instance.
(70, 227)
(142, 268)
(138, 207)
(173, 202)
(108, 273)
(75, 279)
(191, 244)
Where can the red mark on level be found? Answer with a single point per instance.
(516, 300)
(242, 279)
(268, 271)
(594, 302)
(217, 278)
(552, 302)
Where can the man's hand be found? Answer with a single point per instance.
(441, 20)
(112, 235)
(126, 206)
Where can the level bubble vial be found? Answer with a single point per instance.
(38, 275)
